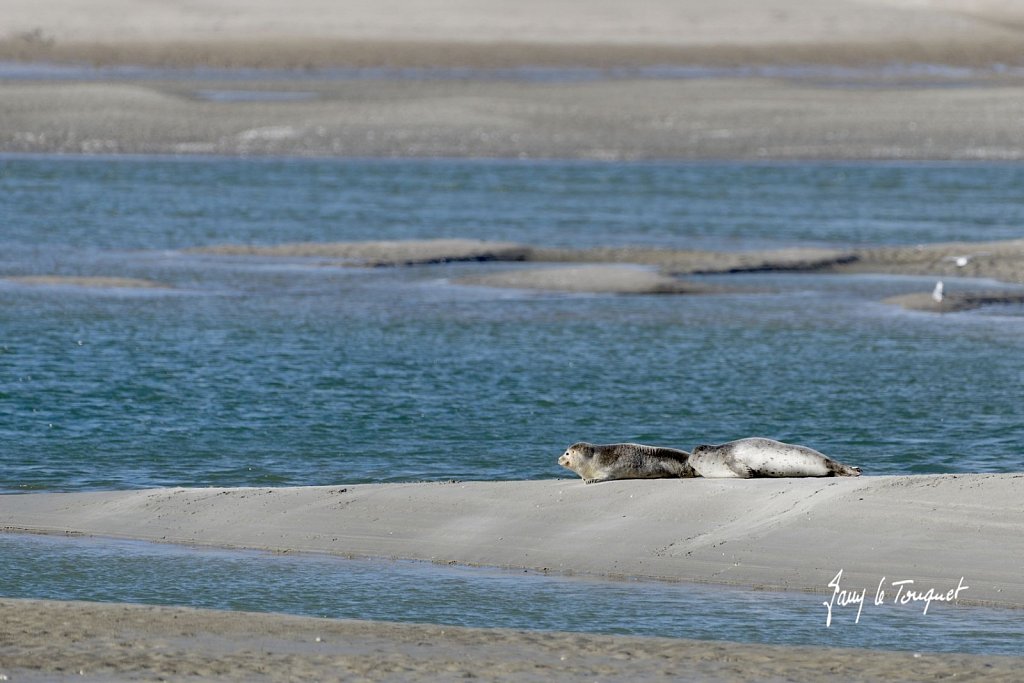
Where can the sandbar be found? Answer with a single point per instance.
(710, 79)
(381, 253)
(792, 534)
(598, 279)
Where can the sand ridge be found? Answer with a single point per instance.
(791, 534)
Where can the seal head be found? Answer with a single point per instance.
(603, 462)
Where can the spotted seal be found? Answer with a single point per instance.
(596, 462)
(759, 457)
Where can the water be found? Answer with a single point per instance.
(120, 571)
(261, 372)
(258, 372)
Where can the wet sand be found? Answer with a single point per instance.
(795, 80)
(628, 119)
(613, 270)
(941, 531)
(100, 642)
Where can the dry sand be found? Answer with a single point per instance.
(866, 113)
(98, 642)
(780, 533)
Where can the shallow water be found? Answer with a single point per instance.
(312, 585)
(299, 372)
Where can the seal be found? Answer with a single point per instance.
(595, 462)
(759, 457)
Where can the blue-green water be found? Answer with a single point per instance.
(119, 571)
(256, 372)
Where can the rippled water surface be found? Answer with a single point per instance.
(264, 372)
(118, 571)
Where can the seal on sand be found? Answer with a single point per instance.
(758, 457)
(594, 462)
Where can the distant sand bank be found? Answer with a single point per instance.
(598, 279)
(1003, 260)
(793, 534)
(495, 33)
(962, 99)
(617, 119)
(103, 642)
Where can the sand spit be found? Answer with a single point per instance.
(783, 533)
(383, 253)
(107, 642)
(1003, 260)
(88, 282)
(955, 301)
(691, 262)
(597, 279)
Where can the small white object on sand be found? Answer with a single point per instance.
(937, 292)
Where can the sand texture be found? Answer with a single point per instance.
(383, 253)
(951, 303)
(317, 32)
(780, 533)
(725, 118)
(101, 642)
(599, 279)
(1003, 260)
(788, 79)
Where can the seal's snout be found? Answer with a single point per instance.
(564, 461)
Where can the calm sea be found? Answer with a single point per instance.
(265, 372)
(262, 372)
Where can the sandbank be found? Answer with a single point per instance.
(47, 641)
(737, 118)
(383, 252)
(399, 32)
(793, 534)
(598, 279)
(999, 260)
(778, 79)
(951, 303)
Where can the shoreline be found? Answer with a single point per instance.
(104, 642)
(789, 534)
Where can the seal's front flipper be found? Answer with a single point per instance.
(740, 468)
